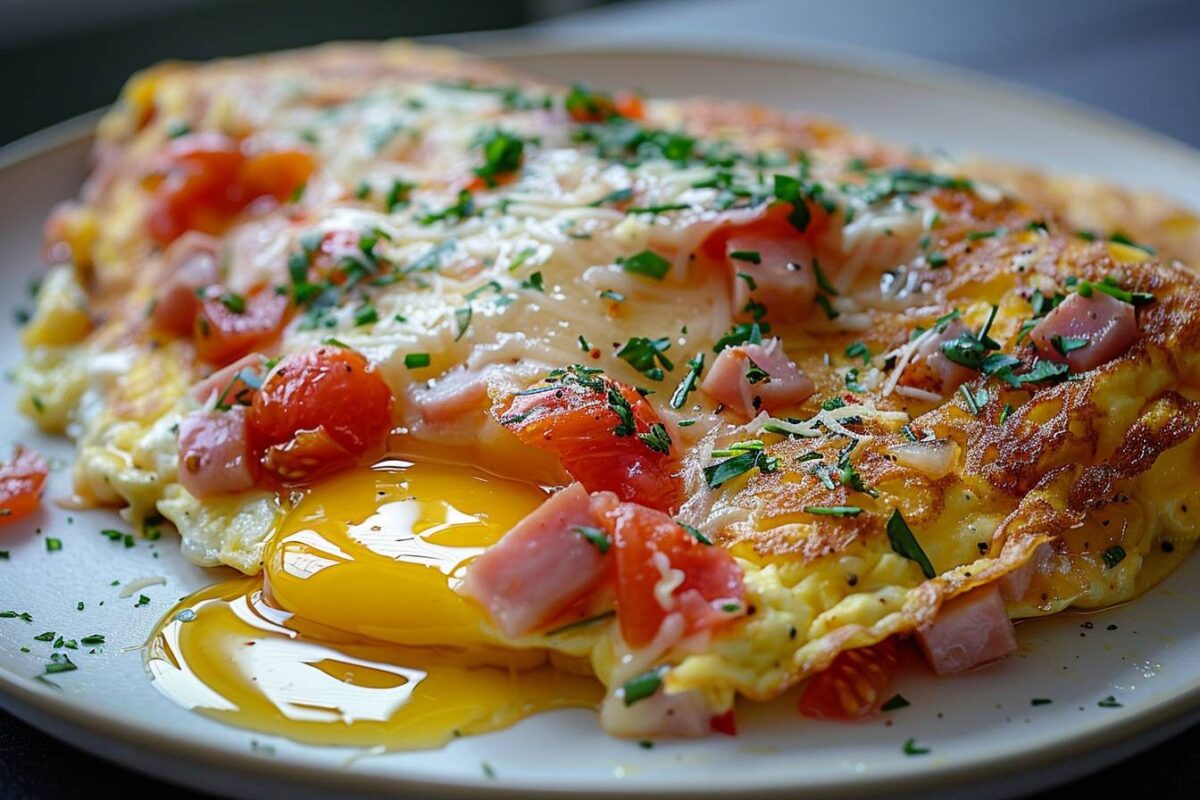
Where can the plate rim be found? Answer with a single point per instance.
(76, 722)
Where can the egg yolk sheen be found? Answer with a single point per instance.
(354, 634)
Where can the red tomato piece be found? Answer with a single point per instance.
(629, 105)
(21, 482)
(201, 181)
(595, 426)
(853, 685)
(194, 184)
(318, 411)
(229, 327)
(276, 173)
(711, 593)
(725, 723)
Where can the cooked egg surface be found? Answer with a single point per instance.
(633, 246)
(337, 648)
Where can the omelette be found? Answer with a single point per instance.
(507, 396)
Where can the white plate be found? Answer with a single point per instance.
(982, 729)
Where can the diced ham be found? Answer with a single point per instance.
(1108, 324)
(734, 381)
(929, 368)
(455, 394)
(541, 566)
(1014, 585)
(783, 280)
(682, 715)
(190, 264)
(213, 458)
(218, 383)
(969, 630)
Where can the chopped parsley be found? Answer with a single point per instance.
(741, 458)
(905, 544)
(749, 256)
(462, 320)
(615, 196)
(534, 282)
(53, 545)
(975, 400)
(463, 208)
(521, 257)
(366, 315)
(696, 533)
(1068, 344)
(858, 350)
(1113, 555)
(896, 701)
(1109, 287)
(398, 195)
(911, 749)
(233, 301)
(742, 333)
(688, 384)
(647, 263)
(595, 537)
(971, 349)
(416, 360)
(823, 280)
(502, 155)
(833, 511)
(647, 356)
(643, 686)
(656, 438)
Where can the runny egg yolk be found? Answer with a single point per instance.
(354, 634)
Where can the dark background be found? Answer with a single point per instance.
(1139, 59)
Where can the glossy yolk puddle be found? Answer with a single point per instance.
(354, 635)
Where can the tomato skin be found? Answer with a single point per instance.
(199, 182)
(223, 335)
(641, 538)
(577, 422)
(725, 723)
(853, 685)
(318, 411)
(277, 173)
(21, 483)
(629, 105)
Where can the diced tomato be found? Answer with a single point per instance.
(725, 723)
(853, 686)
(228, 328)
(649, 544)
(201, 181)
(318, 411)
(580, 421)
(21, 482)
(193, 183)
(277, 173)
(629, 105)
